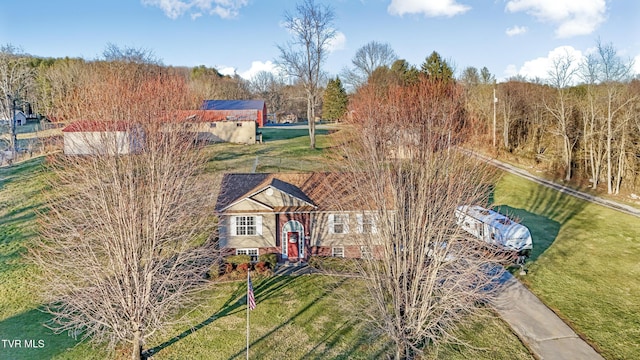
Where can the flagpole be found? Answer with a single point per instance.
(247, 314)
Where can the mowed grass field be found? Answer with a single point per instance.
(587, 263)
(585, 267)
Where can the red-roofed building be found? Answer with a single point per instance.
(218, 126)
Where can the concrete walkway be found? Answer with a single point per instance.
(548, 337)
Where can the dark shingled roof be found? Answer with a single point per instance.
(232, 105)
(291, 190)
(235, 186)
(323, 191)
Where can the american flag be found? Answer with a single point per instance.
(251, 300)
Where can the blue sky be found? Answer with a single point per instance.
(507, 36)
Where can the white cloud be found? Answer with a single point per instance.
(256, 67)
(539, 67)
(175, 8)
(516, 30)
(226, 70)
(430, 8)
(572, 17)
(338, 42)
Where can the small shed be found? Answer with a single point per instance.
(100, 137)
(21, 119)
(238, 110)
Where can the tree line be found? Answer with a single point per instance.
(581, 122)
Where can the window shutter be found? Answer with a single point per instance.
(232, 225)
(374, 224)
(258, 225)
(360, 220)
(346, 223)
(331, 221)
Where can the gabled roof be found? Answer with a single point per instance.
(233, 105)
(321, 191)
(291, 190)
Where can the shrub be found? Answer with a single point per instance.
(270, 259)
(262, 267)
(228, 268)
(243, 268)
(238, 259)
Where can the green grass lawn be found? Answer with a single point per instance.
(296, 317)
(586, 264)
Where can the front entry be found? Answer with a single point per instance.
(293, 243)
(292, 240)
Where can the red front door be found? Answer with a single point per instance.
(292, 244)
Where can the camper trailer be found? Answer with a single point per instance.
(495, 229)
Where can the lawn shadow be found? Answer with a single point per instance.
(336, 337)
(543, 210)
(543, 230)
(236, 302)
(36, 340)
(324, 348)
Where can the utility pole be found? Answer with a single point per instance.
(14, 138)
(495, 101)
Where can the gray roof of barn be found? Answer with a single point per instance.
(232, 105)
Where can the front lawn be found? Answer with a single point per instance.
(586, 263)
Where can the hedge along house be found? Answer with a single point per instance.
(86, 137)
(294, 215)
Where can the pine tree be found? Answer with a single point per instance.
(437, 68)
(335, 100)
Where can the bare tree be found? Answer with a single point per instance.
(561, 76)
(424, 275)
(126, 237)
(270, 87)
(612, 72)
(367, 59)
(312, 29)
(16, 78)
(113, 52)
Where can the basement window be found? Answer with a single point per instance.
(253, 253)
(337, 251)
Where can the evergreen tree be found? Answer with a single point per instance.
(335, 100)
(405, 72)
(437, 68)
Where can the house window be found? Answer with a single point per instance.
(365, 252)
(337, 251)
(251, 252)
(338, 223)
(239, 124)
(212, 124)
(366, 223)
(246, 225)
